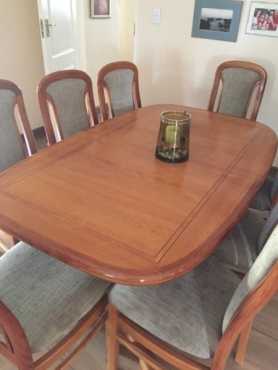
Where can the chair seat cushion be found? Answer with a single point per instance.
(46, 296)
(264, 198)
(262, 201)
(240, 248)
(186, 313)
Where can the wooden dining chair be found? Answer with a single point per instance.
(267, 196)
(243, 244)
(67, 104)
(48, 310)
(12, 116)
(238, 89)
(195, 321)
(14, 146)
(118, 89)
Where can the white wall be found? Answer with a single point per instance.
(100, 41)
(176, 68)
(21, 57)
(107, 40)
(128, 9)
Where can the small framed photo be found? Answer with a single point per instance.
(100, 9)
(217, 19)
(263, 19)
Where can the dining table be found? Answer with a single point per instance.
(102, 202)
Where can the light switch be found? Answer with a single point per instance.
(156, 16)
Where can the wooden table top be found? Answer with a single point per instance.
(103, 203)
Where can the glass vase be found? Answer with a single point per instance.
(173, 138)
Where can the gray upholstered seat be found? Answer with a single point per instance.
(120, 87)
(238, 85)
(46, 296)
(269, 191)
(11, 144)
(183, 312)
(193, 312)
(243, 244)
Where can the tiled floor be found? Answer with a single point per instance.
(262, 351)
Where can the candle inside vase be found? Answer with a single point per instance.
(171, 134)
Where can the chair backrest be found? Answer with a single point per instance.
(270, 224)
(118, 89)
(67, 104)
(12, 106)
(259, 274)
(238, 89)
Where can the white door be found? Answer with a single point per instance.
(59, 34)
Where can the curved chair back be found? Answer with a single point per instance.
(12, 107)
(118, 89)
(254, 292)
(257, 276)
(67, 104)
(270, 224)
(238, 89)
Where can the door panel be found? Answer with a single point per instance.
(59, 34)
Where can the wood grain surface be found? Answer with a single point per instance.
(102, 202)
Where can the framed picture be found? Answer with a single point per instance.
(217, 19)
(100, 9)
(263, 19)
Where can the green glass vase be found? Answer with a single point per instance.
(173, 139)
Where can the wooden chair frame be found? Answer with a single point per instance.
(16, 348)
(20, 108)
(122, 332)
(106, 107)
(30, 144)
(259, 86)
(45, 101)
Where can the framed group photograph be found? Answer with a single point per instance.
(100, 9)
(217, 19)
(263, 19)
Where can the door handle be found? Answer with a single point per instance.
(48, 27)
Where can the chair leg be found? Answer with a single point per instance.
(243, 344)
(111, 338)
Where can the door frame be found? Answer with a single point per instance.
(77, 11)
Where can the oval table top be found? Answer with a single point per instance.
(103, 203)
